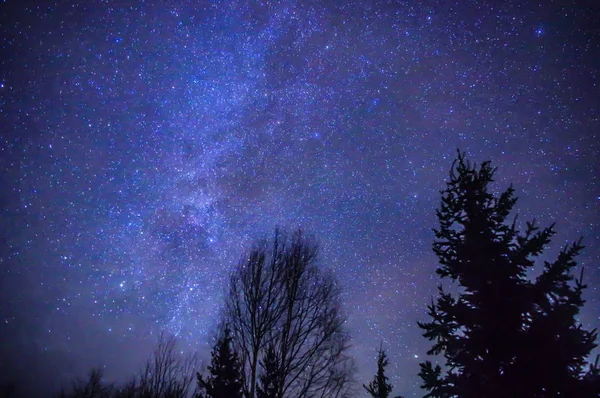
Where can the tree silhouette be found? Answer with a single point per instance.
(380, 387)
(8, 389)
(502, 334)
(280, 297)
(168, 373)
(225, 379)
(591, 380)
(92, 387)
(269, 381)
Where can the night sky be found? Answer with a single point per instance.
(145, 145)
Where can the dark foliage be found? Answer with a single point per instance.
(380, 387)
(503, 334)
(269, 381)
(225, 377)
(8, 389)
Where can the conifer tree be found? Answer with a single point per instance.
(225, 379)
(502, 334)
(269, 381)
(380, 387)
(591, 380)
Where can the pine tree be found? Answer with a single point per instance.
(591, 380)
(502, 334)
(379, 387)
(225, 379)
(269, 382)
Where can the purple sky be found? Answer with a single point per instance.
(145, 145)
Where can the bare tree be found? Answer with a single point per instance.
(128, 390)
(280, 297)
(168, 373)
(92, 387)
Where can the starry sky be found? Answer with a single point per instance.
(145, 145)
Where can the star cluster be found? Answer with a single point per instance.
(145, 145)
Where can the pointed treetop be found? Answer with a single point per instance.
(379, 387)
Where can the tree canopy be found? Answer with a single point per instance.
(225, 377)
(502, 333)
(380, 387)
(285, 310)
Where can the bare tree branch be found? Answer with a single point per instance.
(279, 296)
(168, 373)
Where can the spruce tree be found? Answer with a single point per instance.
(591, 380)
(501, 333)
(269, 381)
(379, 387)
(225, 377)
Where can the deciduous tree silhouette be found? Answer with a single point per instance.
(168, 373)
(225, 377)
(502, 334)
(380, 387)
(280, 297)
(92, 387)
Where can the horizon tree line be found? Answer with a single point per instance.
(499, 333)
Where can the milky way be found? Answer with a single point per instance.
(145, 145)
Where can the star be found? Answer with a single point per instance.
(145, 148)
